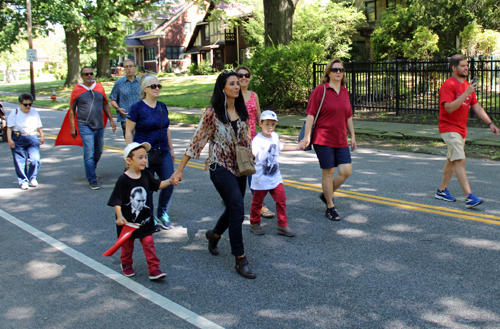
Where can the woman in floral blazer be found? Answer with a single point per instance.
(228, 112)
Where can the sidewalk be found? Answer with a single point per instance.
(476, 136)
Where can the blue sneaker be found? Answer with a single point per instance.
(472, 201)
(444, 195)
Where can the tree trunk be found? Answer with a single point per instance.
(73, 54)
(102, 50)
(278, 21)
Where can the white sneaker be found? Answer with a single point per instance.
(25, 186)
(34, 183)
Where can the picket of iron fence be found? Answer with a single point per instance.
(411, 86)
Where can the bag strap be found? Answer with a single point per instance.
(161, 126)
(235, 140)
(320, 105)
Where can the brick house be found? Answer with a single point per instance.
(159, 43)
(374, 10)
(216, 41)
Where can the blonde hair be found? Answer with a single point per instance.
(328, 68)
(145, 83)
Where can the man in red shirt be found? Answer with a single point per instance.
(455, 97)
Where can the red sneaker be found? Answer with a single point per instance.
(156, 275)
(127, 270)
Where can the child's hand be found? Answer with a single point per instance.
(120, 221)
(173, 181)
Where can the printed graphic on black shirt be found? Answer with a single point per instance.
(271, 166)
(139, 209)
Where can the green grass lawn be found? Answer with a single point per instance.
(189, 91)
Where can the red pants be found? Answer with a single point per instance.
(279, 196)
(148, 245)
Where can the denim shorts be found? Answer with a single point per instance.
(331, 157)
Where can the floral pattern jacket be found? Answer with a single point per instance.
(222, 149)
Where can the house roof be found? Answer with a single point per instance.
(129, 41)
(231, 10)
(168, 14)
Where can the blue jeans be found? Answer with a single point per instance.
(232, 190)
(93, 143)
(26, 153)
(164, 172)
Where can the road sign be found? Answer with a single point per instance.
(31, 54)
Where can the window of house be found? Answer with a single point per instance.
(148, 26)
(150, 54)
(391, 3)
(370, 11)
(187, 28)
(174, 52)
(207, 32)
(130, 54)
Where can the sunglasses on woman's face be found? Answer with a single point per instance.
(246, 75)
(27, 104)
(154, 86)
(337, 69)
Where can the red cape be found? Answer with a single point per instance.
(64, 136)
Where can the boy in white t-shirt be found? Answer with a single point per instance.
(266, 147)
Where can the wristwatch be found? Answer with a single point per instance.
(491, 123)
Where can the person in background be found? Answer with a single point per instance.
(88, 105)
(125, 93)
(253, 108)
(23, 124)
(227, 116)
(148, 119)
(330, 138)
(455, 97)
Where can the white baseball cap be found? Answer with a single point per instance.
(268, 115)
(132, 146)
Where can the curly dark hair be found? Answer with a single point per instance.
(218, 98)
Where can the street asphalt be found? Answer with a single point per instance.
(398, 259)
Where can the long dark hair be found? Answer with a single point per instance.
(218, 98)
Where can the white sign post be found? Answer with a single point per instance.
(31, 54)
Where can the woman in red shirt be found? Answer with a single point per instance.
(330, 138)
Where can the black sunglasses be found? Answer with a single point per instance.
(27, 105)
(246, 75)
(229, 72)
(87, 74)
(337, 69)
(154, 86)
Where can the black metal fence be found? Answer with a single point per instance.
(412, 86)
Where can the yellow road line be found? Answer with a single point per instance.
(408, 205)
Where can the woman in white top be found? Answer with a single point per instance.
(22, 126)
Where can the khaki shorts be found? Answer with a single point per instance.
(456, 144)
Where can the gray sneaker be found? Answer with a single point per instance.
(94, 185)
(286, 231)
(257, 229)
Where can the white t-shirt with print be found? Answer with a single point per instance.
(24, 123)
(266, 151)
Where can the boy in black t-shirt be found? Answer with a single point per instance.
(129, 199)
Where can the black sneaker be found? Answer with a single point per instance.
(94, 185)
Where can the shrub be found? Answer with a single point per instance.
(205, 68)
(193, 69)
(282, 75)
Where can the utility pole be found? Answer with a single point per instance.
(30, 40)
